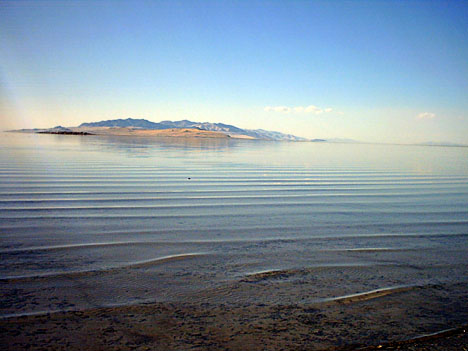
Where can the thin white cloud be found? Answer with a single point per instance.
(298, 109)
(426, 115)
(311, 109)
(283, 109)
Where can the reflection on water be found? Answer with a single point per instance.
(235, 152)
(144, 145)
(96, 221)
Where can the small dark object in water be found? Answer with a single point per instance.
(189, 178)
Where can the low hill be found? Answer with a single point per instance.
(126, 123)
(227, 129)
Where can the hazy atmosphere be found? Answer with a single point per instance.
(370, 71)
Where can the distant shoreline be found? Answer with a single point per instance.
(194, 133)
(116, 131)
(139, 132)
(66, 133)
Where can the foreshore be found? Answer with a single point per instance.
(206, 326)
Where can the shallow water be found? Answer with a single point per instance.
(89, 221)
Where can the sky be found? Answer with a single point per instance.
(374, 71)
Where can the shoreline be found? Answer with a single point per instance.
(90, 132)
(130, 132)
(180, 326)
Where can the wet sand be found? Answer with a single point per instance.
(420, 318)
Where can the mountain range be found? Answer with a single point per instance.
(227, 129)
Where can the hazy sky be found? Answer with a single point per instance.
(392, 71)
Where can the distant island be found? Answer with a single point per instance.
(184, 128)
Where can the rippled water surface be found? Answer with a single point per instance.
(88, 221)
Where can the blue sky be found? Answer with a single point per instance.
(390, 71)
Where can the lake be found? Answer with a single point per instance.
(90, 222)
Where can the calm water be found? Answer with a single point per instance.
(88, 221)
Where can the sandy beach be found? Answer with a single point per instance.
(403, 319)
